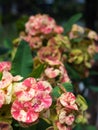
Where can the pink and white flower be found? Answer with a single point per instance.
(42, 24)
(41, 101)
(5, 65)
(24, 112)
(44, 86)
(51, 72)
(68, 101)
(26, 90)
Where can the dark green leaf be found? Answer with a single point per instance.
(8, 44)
(1, 75)
(84, 127)
(68, 86)
(37, 71)
(76, 40)
(96, 56)
(3, 50)
(94, 88)
(72, 21)
(93, 73)
(22, 63)
(56, 92)
(73, 74)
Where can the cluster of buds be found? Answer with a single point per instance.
(83, 48)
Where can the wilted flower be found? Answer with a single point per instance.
(50, 55)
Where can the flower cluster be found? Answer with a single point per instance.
(66, 108)
(28, 97)
(47, 92)
(83, 44)
(38, 28)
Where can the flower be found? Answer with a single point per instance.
(51, 72)
(5, 65)
(42, 24)
(25, 90)
(23, 112)
(50, 55)
(68, 101)
(7, 86)
(44, 86)
(41, 101)
(66, 119)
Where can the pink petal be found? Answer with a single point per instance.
(44, 86)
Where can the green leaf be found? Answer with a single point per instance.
(84, 127)
(93, 73)
(94, 88)
(3, 50)
(73, 74)
(72, 21)
(37, 71)
(68, 86)
(76, 40)
(1, 75)
(22, 63)
(56, 92)
(96, 57)
(8, 44)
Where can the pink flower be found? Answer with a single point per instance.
(7, 85)
(70, 119)
(34, 42)
(51, 72)
(65, 118)
(26, 90)
(24, 112)
(42, 24)
(41, 101)
(5, 65)
(58, 29)
(6, 80)
(68, 101)
(44, 86)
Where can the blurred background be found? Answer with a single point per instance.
(14, 13)
(13, 10)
